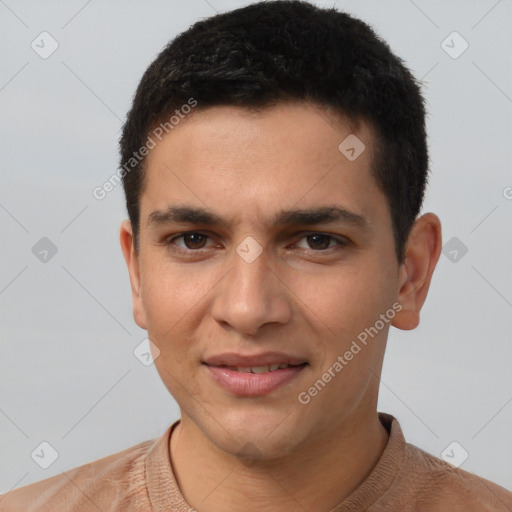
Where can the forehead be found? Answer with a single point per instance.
(304, 129)
(245, 162)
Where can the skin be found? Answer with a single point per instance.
(305, 296)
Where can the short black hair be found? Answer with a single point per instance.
(281, 51)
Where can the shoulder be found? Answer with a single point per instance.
(104, 484)
(439, 485)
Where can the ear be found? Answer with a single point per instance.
(421, 256)
(132, 261)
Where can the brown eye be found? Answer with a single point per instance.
(319, 241)
(189, 244)
(194, 240)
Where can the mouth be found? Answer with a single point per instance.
(261, 369)
(252, 376)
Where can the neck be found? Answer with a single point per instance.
(317, 477)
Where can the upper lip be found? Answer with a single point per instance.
(250, 360)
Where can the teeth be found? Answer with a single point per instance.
(259, 369)
(262, 369)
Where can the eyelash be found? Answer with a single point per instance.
(169, 242)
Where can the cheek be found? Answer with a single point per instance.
(166, 300)
(171, 303)
(168, 293)
(343, 301)
(176, 300)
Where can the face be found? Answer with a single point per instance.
(262, 244)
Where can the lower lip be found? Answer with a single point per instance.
(253, 384)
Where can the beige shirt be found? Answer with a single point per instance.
(138, 479)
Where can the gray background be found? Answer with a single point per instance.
(67, 369)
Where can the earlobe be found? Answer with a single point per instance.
(132, 262)
(422, 254)
(406, 320)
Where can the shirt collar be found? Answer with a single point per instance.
(164, 493)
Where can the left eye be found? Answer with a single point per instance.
(319, 241)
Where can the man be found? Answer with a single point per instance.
(274, 165)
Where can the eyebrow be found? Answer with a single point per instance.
(184, 214)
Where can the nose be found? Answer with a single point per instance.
(251, 295)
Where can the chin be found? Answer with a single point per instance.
(258, 436)
(254, 449)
